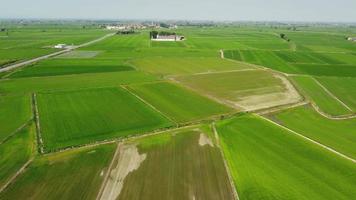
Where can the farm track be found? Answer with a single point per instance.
(228, 171)
(37, 122)
(17, 65)
(16, 131)
(12, 179)
(311, 140)
(332, 95)
(344, 117)
(107, 175)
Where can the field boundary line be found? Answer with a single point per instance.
(343, 117)
(107, 175)
(331, 94)
(148, 104)
(227, 169)
(122, 139)
(33, 60)
(310, 140)
(37, 122)
(16, 131)
(12, 179)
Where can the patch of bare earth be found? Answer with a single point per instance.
(128, 160)
(257, 102)
(205, 140)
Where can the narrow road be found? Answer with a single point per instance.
(17, 65)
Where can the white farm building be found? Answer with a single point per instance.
(168, 38)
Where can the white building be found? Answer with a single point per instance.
(60, 46)
(115, 27)
(168, 38)
(352, 39)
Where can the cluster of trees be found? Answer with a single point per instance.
(153, 34)
(125, 32)
(284, 37)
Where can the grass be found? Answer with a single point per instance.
(343, 88)
(72, 118)
(337, 134)
(179, 168)
(178, 103)
(179, 66)
(54, 67)
(15, 110)
(75, 174)
(79, 54)
(15, 152)
(68, 82)
(268, 162)
(322, 99)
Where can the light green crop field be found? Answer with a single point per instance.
(235, 85)
(91, 115)
(317, 94)
(250, 90)
(178, 66)
(179, 104)
(15, 110)
(68, 82)
(75, 174)
(122, 42)
(15, 152)
(342, 88)
(184, 164)
(53, 67)
(337, 134)
(268, 162)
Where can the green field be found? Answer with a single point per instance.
(316, 93)
(161, 101)
(75, 174)
(53, 67)
(253, 89)
(180, 104)
(342, 88)
(15, 110)
(184, 164)
(337, 134)
(178, 66)
(96, 80)
(268, 162)
(87, 116)
(15, 152)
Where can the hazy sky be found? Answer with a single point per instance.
(256, 10)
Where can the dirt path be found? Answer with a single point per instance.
(37, 121)
(16, 131)
(310, 140)
(281, 108)
(22, 169)
(318, 110)
(331, 94)
(233, 188)
(128, 160)
(222, 54)
(108, 172)
(21, 64)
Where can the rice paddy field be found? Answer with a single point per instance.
(232, 112)
(92, 115)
